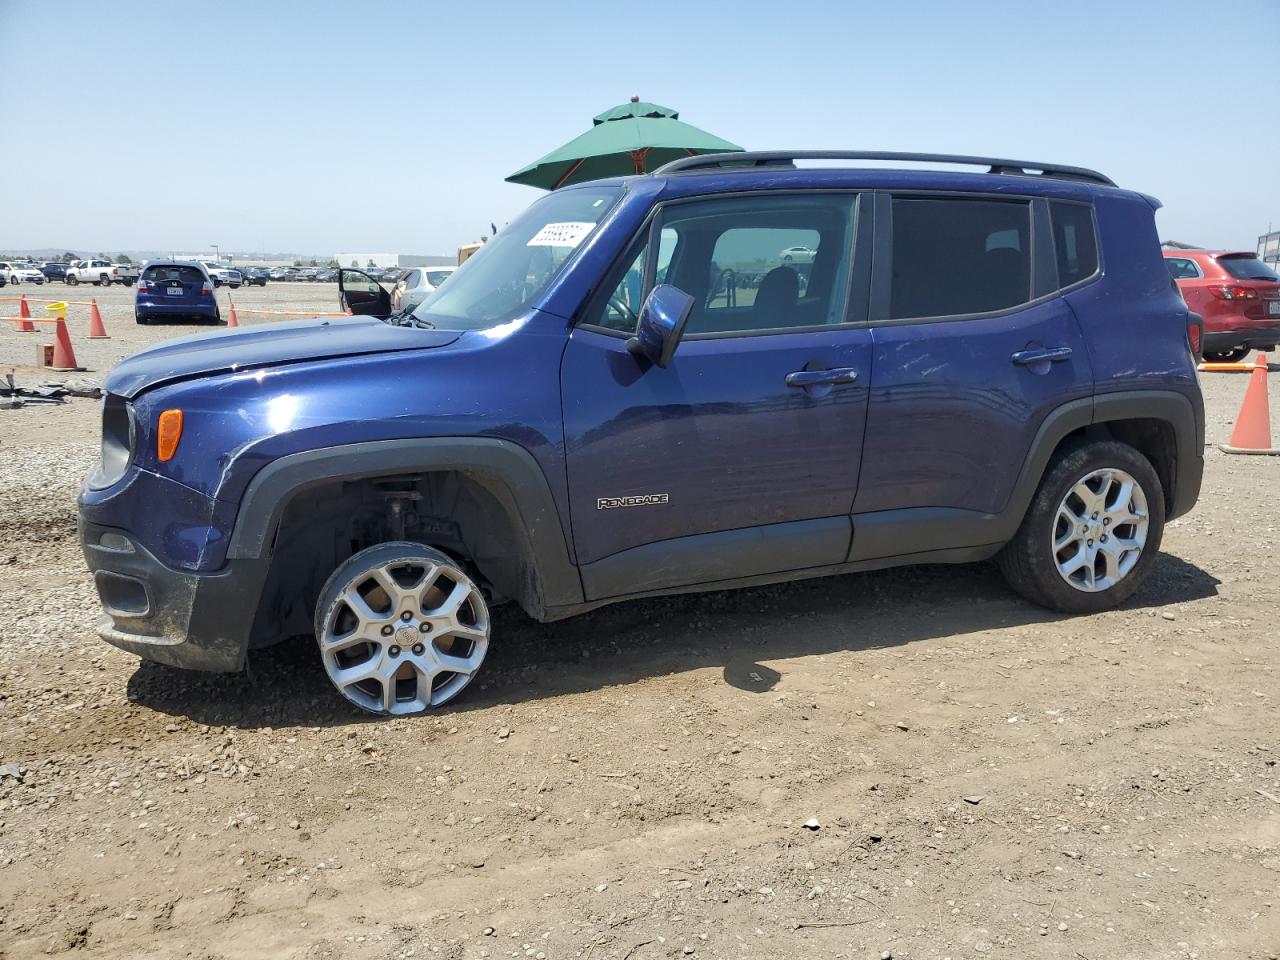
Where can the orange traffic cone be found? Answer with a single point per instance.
(64, 358)
(26, 326)
(234, 321)
(1253, 426)
(96, 330)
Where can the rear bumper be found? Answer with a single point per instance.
(198, 621)
(159, 308)
(1254, 337)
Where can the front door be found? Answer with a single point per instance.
(741, 457)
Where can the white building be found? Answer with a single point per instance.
(363, 261)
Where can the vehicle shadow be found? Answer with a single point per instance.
(736, 631)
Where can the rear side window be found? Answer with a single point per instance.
(1074, 241)
(1247, 268)
(953, 257)
(169, 274)
(1181, 268)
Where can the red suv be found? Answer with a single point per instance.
(1236, 294)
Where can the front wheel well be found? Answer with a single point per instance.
(467, 518)
(1155, 439)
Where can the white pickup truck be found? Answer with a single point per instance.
(101, 272)
(221, 274)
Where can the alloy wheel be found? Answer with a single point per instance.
(404, 635)
(1100, 530)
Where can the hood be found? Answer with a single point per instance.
(269, 345)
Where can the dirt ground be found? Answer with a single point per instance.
(983, 778)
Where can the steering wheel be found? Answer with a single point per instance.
(623, 308)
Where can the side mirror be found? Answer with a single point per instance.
(360, 294)
(662, 318)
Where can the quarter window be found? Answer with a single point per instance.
(1074, 241)
(1180, 268)
(953, 257)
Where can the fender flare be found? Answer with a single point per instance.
(1169, 406)
(505, 469)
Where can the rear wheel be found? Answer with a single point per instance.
(401, 628)
(141, 318)
(1092, 531)
(1226, 356)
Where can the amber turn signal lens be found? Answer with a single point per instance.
(168, 434)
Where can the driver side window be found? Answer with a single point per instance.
(622, 309)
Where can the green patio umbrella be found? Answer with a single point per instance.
(630, 138)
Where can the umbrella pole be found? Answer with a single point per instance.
(568, 173)
(638, 158)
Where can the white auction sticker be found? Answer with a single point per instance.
(567, 234)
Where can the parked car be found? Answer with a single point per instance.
(100, 272)
(797, 255)
(222, 274)
(175, 289)
(16, 272)
(255, 276)
(306, 274)
(280, 273)
(590, 436)
(53, 270)
(1236, 294)
(416, 285)
(327, 275)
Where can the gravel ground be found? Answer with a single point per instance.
(912, 762)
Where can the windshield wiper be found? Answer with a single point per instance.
(405, 318)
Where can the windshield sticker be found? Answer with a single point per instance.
(567, 234)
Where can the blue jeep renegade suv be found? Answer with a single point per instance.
(639, 388)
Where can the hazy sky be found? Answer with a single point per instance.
(319, 127)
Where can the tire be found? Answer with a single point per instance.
(141, 319)
(72, 280)
(1029, 561)
(128, 283)
(382, 650)
(103, 280)
(14, 281)
(1226, 356)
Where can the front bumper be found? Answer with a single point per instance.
(199, 621)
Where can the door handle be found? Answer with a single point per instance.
(1025, 358)
(814, 378)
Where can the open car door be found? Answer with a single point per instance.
(360, 294)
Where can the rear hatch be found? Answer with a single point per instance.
(1257, 283)
(179, 286)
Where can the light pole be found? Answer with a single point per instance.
(217, 256)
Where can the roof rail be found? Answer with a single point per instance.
(787, 158)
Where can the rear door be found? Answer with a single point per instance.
(972, 347)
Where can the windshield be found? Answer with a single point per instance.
(1247, 268)
(515, 267)
(437, 277)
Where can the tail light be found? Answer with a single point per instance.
(143, 286)
(1193, 335)
(207, 289)
(1233, 292)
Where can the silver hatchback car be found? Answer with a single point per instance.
(418, 284)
